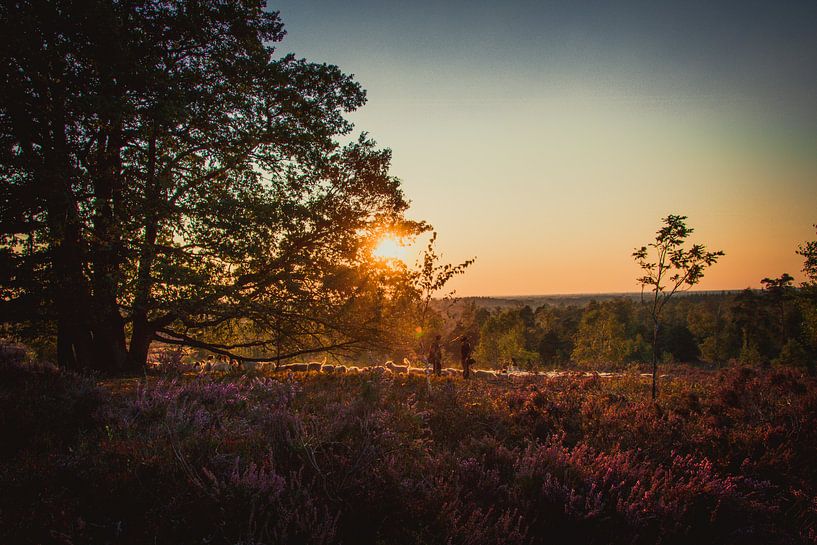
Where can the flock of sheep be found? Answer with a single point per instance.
(388, 368)
(214, 364)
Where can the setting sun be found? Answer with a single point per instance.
(390, 247)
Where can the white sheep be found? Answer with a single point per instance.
(251, 365)
(206, 364)
(396, 368)
(220, 367)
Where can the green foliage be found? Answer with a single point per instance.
(430, 277)
(808, 308)
(555, 333)
(610, 333)
(794, 354)
(165, 173)
(807, 302)
(809, 252)
(750, 353)
(503, 340)
(674, 267)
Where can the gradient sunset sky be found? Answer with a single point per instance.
(548, 138)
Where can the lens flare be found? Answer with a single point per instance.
(389, 247)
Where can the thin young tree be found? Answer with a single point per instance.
(428, 279)
(431, 276)
(669, 267)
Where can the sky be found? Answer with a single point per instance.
(548, 139)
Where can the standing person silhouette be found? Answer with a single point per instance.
(435, 355)
(465, 353)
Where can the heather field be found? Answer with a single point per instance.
(722, 457)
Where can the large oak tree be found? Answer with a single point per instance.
(166, 174)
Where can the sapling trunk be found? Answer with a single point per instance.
(655, 361)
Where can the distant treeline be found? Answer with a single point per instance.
(776, 325)
(567, 299)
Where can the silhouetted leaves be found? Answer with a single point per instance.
(670, 267)
(167, 174)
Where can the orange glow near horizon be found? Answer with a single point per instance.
(556, 151)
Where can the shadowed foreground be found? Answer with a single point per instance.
(723, 458)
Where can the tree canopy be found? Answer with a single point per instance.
(166, 174)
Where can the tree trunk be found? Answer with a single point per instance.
(74, 341)
(655, 361)
(110, 352)
(140, 341)
(143, 332)
(109, 339)
(75, 335)
(70, 287)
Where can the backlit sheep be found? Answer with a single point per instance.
(251, 365)
(396, 368)
(206, 364)
(221, 367)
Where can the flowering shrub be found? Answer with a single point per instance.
(722, 458)
(682, 498)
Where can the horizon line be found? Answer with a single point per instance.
(585, 294)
